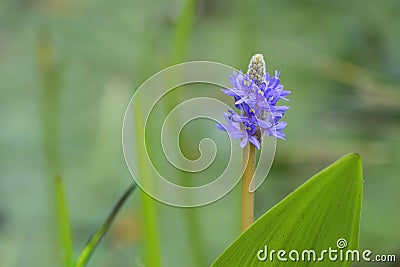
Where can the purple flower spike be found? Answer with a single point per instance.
(256, 94)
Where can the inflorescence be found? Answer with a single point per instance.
(256, 94)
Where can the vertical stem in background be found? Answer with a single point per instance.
(248, 164)
(63, 222)
(179, 49)
(149, 216)
(182, 31)
(50, 119)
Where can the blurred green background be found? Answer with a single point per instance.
(69, 67)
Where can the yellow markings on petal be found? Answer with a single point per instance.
(260, 92)
(245, 82)
(252, 110)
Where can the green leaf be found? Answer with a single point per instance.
(318, 213)
(90, 246)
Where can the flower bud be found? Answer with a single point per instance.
(256, 69)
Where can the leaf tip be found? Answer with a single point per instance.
(353, 157)
(354, 163)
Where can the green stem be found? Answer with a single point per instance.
(149, 216)
(182, 32)
(179, 50)
(50, 118)
(63, 222)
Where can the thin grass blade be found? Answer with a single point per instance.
(92, 243)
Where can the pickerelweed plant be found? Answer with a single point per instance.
(256, 94)
(329, 203)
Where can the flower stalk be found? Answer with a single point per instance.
(256, 94)
(248, 164)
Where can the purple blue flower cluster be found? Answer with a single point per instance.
(256, 94)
